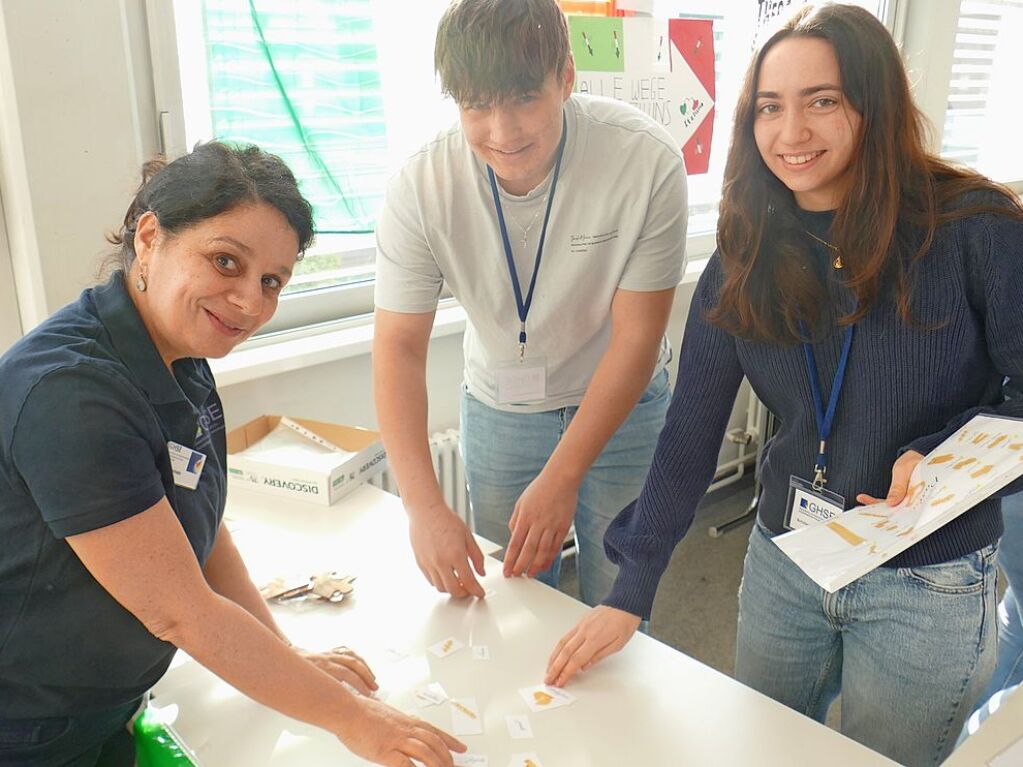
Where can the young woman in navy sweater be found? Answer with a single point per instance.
(853, 266)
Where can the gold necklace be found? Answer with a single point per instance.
(837, 263)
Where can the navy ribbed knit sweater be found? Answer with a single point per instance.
(907, 387)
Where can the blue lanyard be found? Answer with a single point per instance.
(523, 306)
(825, 420)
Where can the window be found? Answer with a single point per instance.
(982, 114)
(331, 86)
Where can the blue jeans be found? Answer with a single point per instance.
(910, 649)
(1009, 668)
(99, 739)
(503, 452)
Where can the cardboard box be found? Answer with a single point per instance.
(322, 484)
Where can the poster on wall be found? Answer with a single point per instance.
(665, 68)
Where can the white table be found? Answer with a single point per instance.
(648, 705)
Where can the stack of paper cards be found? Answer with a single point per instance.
(981, 458)
(465, 717)
(480, 652)
(541, 697)
(446, 647)
(469, 760)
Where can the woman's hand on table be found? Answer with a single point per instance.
(902, 472)
(602, 631)
(345, 666)
(446, 552)
(386, 736)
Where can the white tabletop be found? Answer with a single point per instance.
(648, 705)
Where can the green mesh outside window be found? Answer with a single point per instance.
(301, 80)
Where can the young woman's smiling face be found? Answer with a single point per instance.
(805, 129)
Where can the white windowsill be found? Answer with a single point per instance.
(305, 348)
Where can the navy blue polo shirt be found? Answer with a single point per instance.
(87, 408)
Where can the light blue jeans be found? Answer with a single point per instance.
(1009, 668)
(910, 649)
(503, 452)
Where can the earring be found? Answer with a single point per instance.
(140, 283)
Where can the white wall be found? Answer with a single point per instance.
(342, 392)
(74, 129)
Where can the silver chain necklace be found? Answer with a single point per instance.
(527, 229)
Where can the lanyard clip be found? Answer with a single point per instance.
(522, 352)
(818, 479)
(820, 468)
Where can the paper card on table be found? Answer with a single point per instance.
(525, 760)
(519, 727)
(465, 717)
(469, 760)
(446, 647)
(480, 652)
(394, 655)
(982, 457)
(542, 697)
(431, 695)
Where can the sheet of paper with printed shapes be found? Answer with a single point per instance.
(982, 457)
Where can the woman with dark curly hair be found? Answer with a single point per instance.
(113, 481)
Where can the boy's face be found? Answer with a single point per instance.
(518, 136)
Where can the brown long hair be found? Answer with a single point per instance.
(897, 193)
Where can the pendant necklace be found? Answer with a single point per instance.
(837, 262)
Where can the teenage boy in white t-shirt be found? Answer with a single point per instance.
(559, 223)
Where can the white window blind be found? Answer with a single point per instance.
(983, 109)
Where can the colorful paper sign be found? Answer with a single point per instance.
(665, 68)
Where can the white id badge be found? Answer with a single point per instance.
(808, 506)
(187, 465)
(522, 382)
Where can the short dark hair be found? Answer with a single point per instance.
(487, 50)
(212, 179)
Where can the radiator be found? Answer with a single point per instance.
(447, 463)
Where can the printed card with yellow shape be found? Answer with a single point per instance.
(465, 717)
(446, 647)
(542, 697)
(981, 458)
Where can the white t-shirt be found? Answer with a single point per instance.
(618, 220)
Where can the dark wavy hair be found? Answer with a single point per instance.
(212, 179)
(897, 193)
(487, 50)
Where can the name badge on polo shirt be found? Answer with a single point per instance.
(808, 506)
(522, 381)
(187, 465)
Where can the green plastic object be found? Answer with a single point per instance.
(158, 745)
